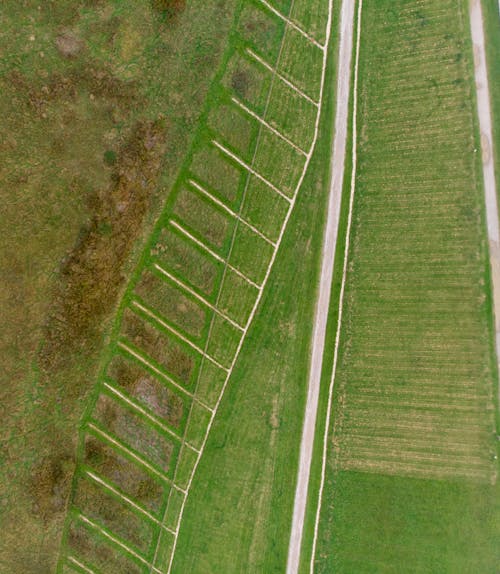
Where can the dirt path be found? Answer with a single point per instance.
(323, 301)
(490, 193)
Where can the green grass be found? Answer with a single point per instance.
(416, 377)
(236, 297)
(262, 207)
(250, 253)
(261, 30)
(190, 262)
(308, 14)
(393, 524)
(279, 163)
(212, 228)
(303, 72)
(248, 79)
(184, 312)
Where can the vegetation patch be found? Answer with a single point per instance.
(211, 167)
(92, 272)
(190, 262)
(98, 552)
(126, 475)
(209, 222)
(163, 401)
(164, 349)
(134, 431)
(108, 511)
(172, 304)
(248, 80)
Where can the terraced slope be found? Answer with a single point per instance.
(188, 309)
(411, 458)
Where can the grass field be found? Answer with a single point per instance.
(191, 301)
(92, 140)
(411, 471)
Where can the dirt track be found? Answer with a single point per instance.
(324, 291)
(485, 127)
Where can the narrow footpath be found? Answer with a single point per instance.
(325, 285)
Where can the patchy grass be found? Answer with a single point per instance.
(136, 432)
(169, 302)
(124, 474)
(236, 297)
(248, 80)
(285, 106)
(261, 30)
(236, 129)
(309, 14)
(250, 253)
(157, 396)
(109, 512)
(92, 140)
(177, 359)
(223, 340)
(211, 167)
(278, 162)
(261, 206)
(202, 217)
(249, 466)
(98, 552)
(303, 72)
(190, 263)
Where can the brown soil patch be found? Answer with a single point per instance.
(91, 275)
(69, 44)
(239, 82)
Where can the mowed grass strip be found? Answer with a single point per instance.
(411, 468)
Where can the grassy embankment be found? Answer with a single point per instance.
(411, 475)
(186, 310)
(98, 108)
